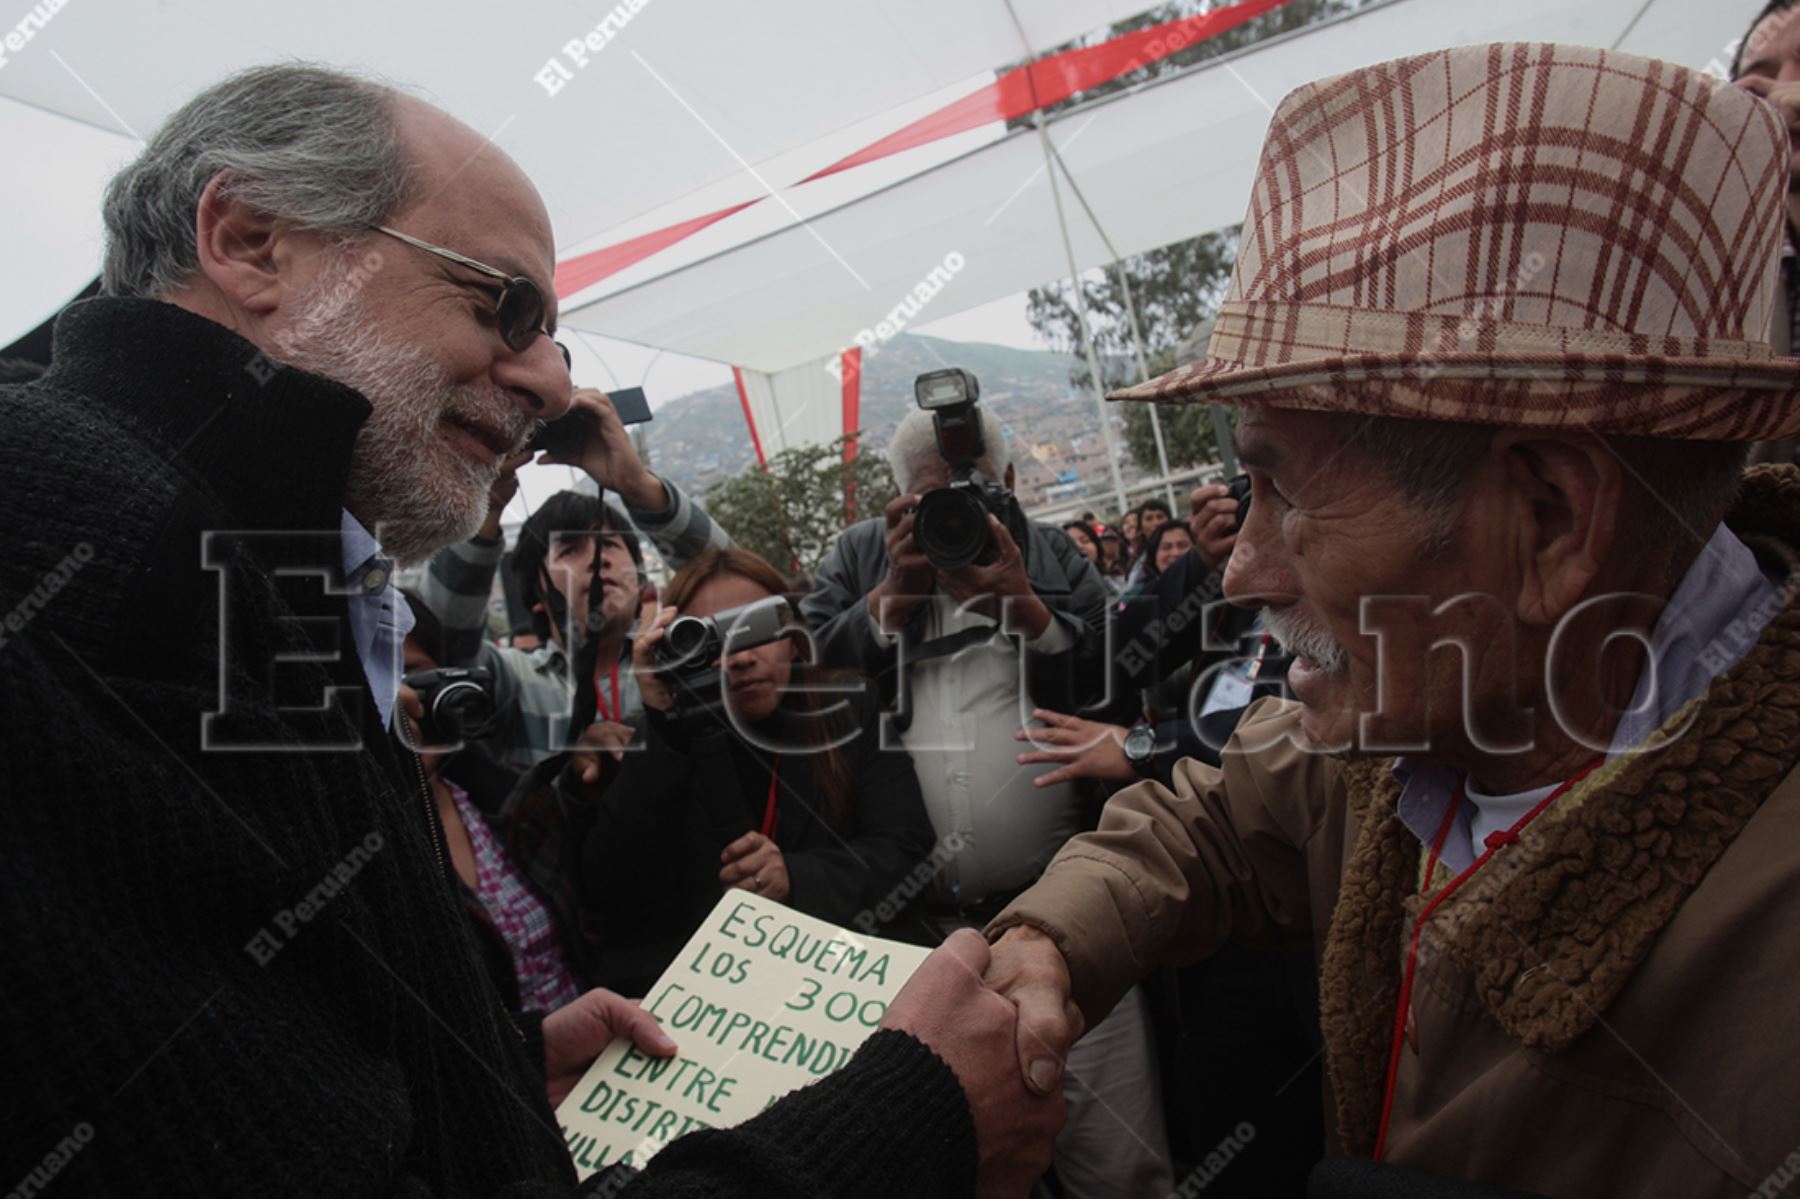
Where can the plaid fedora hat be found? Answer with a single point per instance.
(1530, 235)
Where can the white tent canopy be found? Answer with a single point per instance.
(692, 106)
(603, 148)
(1166, 161)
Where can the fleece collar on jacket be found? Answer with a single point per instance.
(1552, 928)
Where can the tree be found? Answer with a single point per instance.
(791, 511)
(1173, 288)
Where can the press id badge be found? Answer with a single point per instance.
(1231, 689)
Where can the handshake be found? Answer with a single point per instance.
(1002, 1019)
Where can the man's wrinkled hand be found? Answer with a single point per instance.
(945, 1005)
(575, 1034)
(1027, 968)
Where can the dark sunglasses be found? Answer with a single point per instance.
(520, 309)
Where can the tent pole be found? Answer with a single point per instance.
(1137, 341)
(1222, 431)
(1137, 332)
(1081, 314)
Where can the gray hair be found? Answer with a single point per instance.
(309, 145)
(1676, 490)
(914, 443)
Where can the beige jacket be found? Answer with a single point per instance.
(1611, 1006)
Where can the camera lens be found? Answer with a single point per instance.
(951, 528)
(687, 637)
(462, 710)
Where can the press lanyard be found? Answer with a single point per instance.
(771, 810)
(1495, 843)
(613, 714)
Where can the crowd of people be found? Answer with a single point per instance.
(1421, 801)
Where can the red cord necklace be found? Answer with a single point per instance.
(771, 810)
(1495, 843)
(613, 714)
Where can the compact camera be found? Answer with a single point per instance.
(458, 701)
(691, 656)
(950, 524)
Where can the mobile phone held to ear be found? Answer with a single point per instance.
(565, 437)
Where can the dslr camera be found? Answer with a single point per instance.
(691, 656)
(950, 524)
(458, 701)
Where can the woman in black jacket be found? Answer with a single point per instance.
(779, 786)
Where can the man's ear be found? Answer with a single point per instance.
(245, 254)
(1564, 511)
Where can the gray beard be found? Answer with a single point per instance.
(411, 490)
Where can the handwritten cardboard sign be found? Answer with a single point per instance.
(761, 1001)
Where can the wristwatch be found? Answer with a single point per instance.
(1140, 744)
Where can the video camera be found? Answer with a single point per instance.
(950, 524)
(459, 703)
(691, 656)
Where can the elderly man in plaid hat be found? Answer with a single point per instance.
(1498, 334)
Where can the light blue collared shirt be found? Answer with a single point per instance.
(1713, 618)
(379, 618)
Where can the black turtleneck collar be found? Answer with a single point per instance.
(153, 429)
(273, 442)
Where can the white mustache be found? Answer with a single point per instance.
(1305, 640)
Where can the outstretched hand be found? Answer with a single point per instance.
(1082, 749)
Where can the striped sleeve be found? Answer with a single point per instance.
(456, 589)
(682, 530)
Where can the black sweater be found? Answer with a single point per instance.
(234, 964)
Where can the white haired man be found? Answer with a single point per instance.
(1499, 333)
(945, 646)
(231, 941)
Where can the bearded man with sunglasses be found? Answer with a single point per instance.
(231, 940)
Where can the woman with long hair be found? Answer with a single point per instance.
(1088, 540)
(776, 783)
(1166, 543)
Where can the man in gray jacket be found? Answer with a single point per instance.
(946, 648)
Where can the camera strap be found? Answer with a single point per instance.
(951, 643)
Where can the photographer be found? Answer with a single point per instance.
(760, 772)
(580, 567)
(529, 941)
(945, 641)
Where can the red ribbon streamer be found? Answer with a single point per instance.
(1025, 89)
